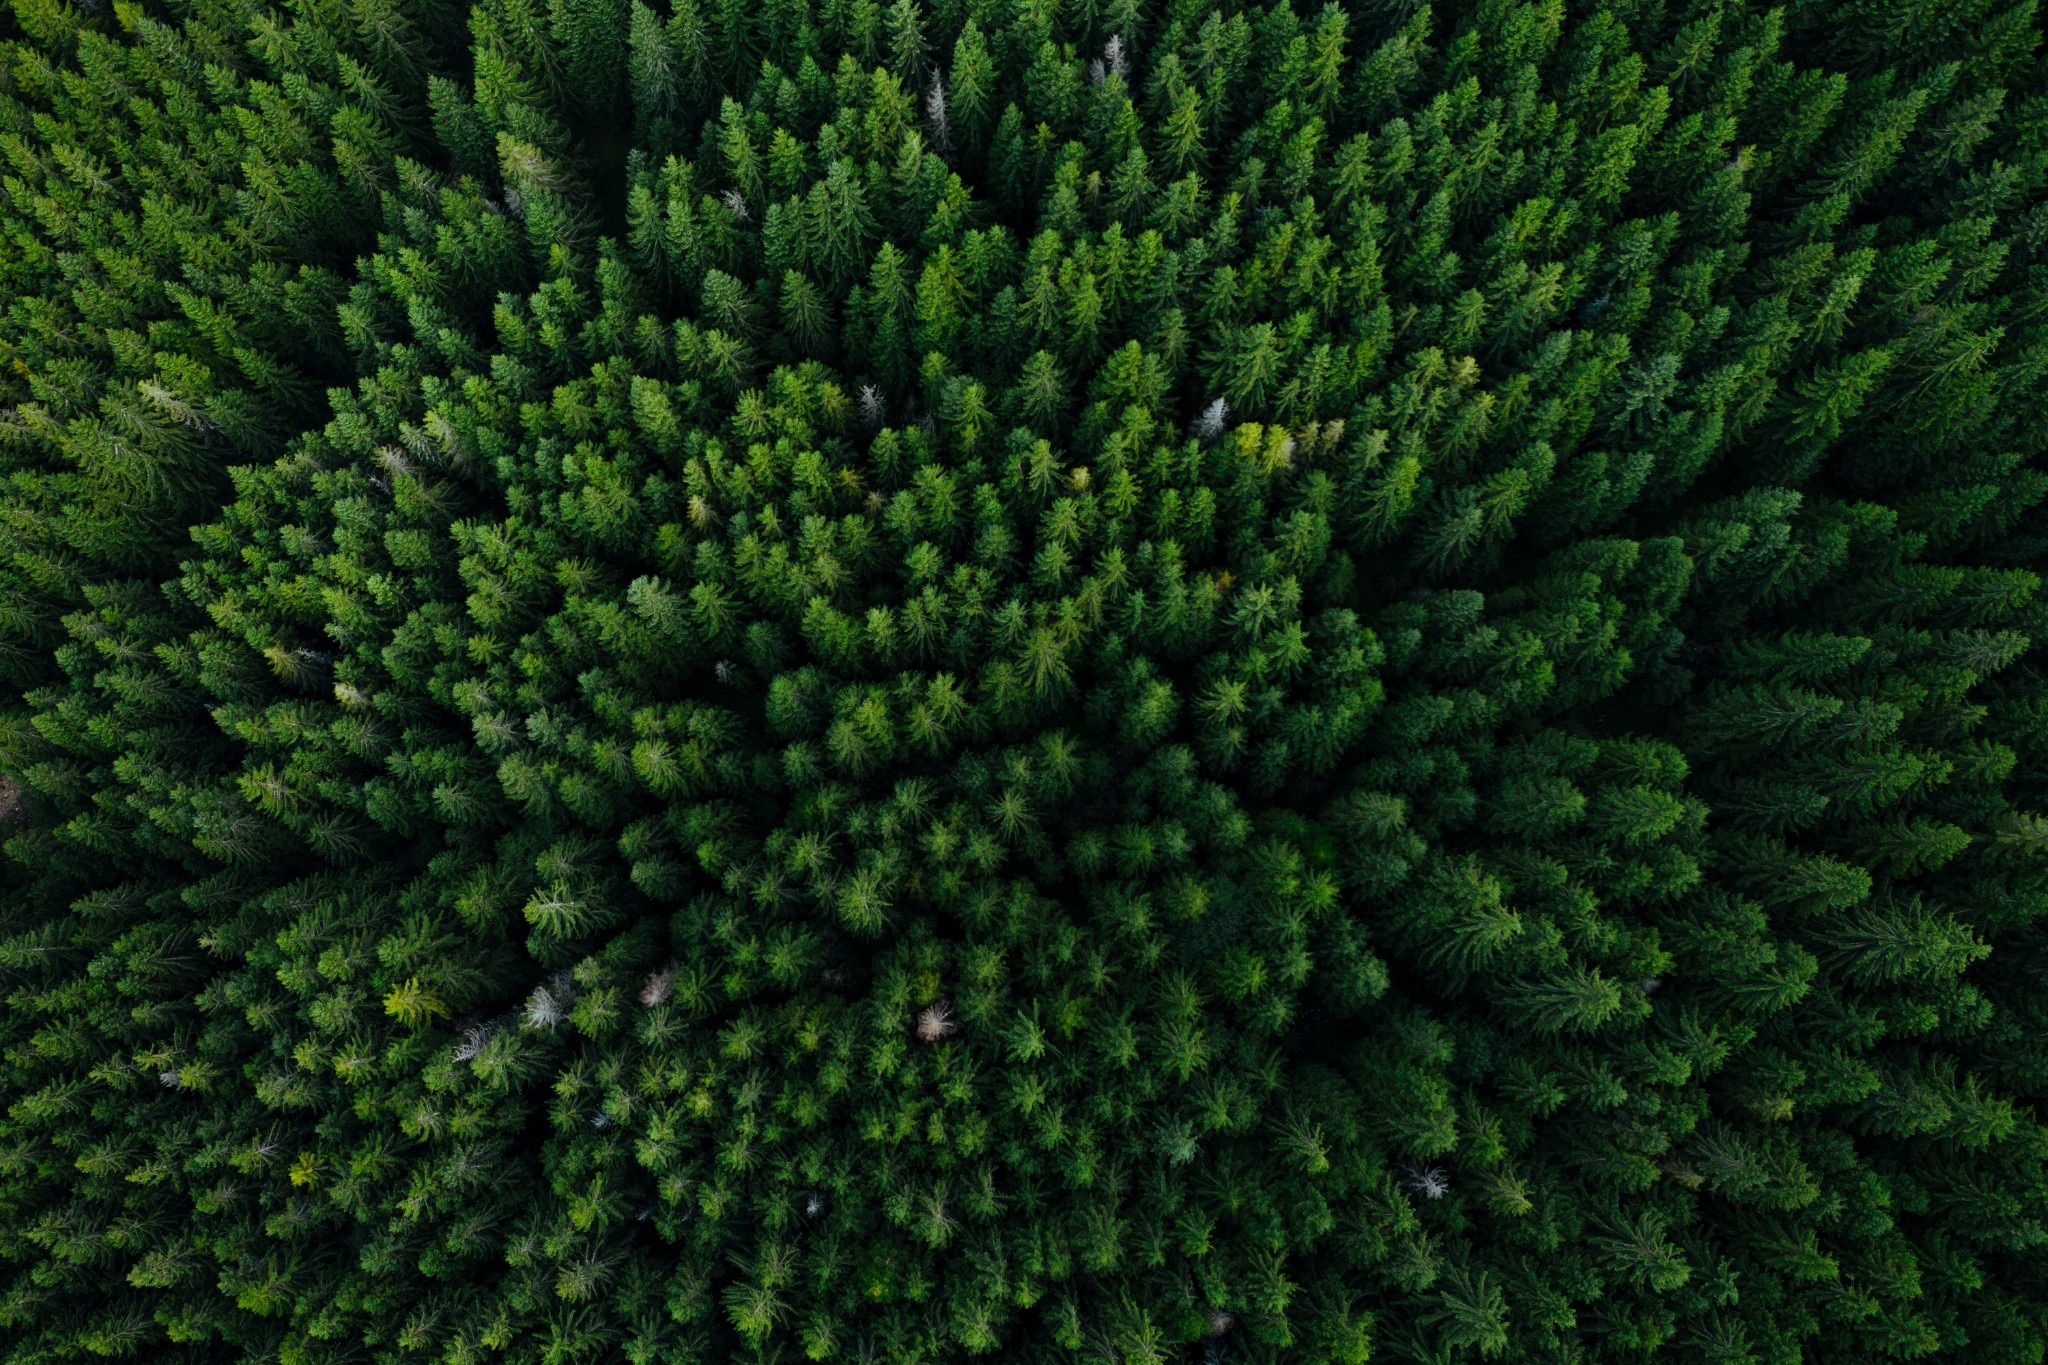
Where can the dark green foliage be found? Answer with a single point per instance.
(696, 681)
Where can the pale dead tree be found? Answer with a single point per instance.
(1208, 427)
(660, 987)
(1220, 1321)
(543, 1009)
(873, 411)
(725, 671)
(935, 1022)
(935, 112)
(737, 204)
(549, 1004)
(1431, 1182)
(1114, 58)
(473, 1041)
(1113, 62)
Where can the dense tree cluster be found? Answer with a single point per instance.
(1073, 680)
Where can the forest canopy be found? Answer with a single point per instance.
(1069, 681)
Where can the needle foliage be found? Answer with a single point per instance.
(1069, 681)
